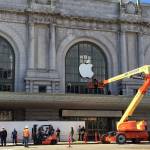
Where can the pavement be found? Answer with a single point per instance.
(76, 146)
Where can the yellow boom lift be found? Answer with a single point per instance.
(133, 130)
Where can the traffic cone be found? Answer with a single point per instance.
(69, 141)
(100, 137)
(96, 139)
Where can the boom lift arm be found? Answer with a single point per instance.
(144, 69)
(138, 97)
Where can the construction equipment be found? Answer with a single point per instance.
(133, 130)
(44, 135)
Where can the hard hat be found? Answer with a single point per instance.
(26, 127)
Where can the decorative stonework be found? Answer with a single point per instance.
(41, 19)
(44, 13)
(52, 86)
(130, 11)
(129, 14)
(78, 22)
(46, 2)
(46, 6)
(12, 17)
(36, 78)
(131, 8)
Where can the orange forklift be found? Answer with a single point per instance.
(43, 135)
(132, 130)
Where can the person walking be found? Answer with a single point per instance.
(14, 136)
(3, 135)
(26, 135)
(58, 134)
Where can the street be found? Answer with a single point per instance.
(143, 146)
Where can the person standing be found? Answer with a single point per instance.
(58, 134)
(26, 135)
(3, 135)
(14, 136)
(79, 133)
(72, 134)
(82, 133)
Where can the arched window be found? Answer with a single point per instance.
(78, 54)
(7, 66)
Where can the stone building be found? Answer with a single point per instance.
(42, 44)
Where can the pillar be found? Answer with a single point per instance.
(140, 49)
(52, 48)
(31, 46)
(123, 51)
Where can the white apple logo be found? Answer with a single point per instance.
(86, 70)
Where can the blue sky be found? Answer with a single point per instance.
(141, 1)
(145, 1)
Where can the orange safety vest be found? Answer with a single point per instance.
(26, 133)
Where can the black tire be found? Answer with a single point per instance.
(53, 142)
(121, 139)
(149, 136)
(136, 141)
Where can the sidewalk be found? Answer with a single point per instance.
(79, 142)
(60, 143)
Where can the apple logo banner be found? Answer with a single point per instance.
(86, 70)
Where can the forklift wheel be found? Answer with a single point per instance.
(136, 141)
(53, 142)
(120, 139)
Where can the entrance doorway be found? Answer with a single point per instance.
(100, 126)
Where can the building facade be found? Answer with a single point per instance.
(43, 42)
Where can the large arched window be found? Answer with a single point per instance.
(78, 54)
(7, 66)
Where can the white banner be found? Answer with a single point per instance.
(64, 126)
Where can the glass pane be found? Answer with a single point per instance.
(84, 52)
(7, 60)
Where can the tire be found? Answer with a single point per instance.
(120, 139)
(53, 142)
(136, 141)
(149, 136)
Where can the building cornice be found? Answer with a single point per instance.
(130, 22)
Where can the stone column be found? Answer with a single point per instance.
(29, 3)
(31, 46)
(31, 86)
(52, 48)
(140, 49)
(123, 51)
(53, 4)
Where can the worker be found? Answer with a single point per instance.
(26, 135)
(47, 132)
(3, 135)
(58, 134)
(14, 136)
(82, 133)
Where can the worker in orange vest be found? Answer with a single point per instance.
(26, 135)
